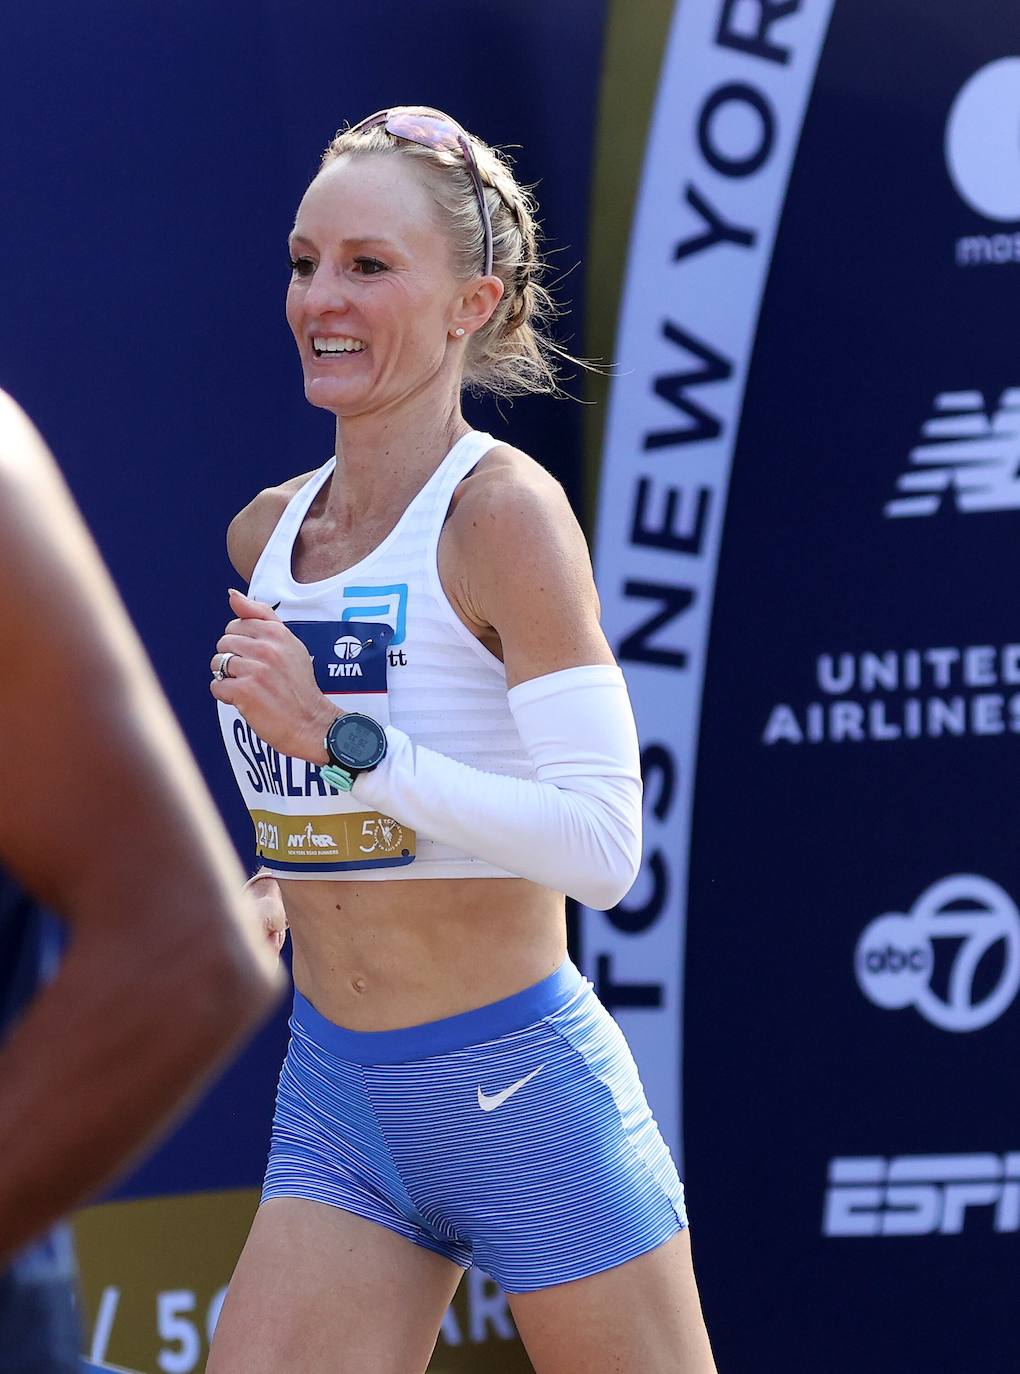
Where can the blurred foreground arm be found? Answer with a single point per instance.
(104, 818)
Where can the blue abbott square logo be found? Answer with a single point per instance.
(387, 604)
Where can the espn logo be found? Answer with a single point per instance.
(921, 1195)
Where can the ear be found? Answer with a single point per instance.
(473, 309)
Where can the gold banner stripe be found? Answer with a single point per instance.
(361, 837)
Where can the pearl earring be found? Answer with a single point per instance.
(459, 331)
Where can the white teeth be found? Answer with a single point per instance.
(329, 345)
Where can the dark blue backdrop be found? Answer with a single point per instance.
(870, 314)
(153, 157)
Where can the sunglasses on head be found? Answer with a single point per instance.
(432, 129)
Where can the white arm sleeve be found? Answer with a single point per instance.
(576, 827)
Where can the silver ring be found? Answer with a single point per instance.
(221, 671)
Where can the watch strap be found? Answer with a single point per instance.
(339, 777)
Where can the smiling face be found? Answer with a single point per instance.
(372, 298)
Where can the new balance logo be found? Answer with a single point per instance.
(970, 460)
(922, 1195)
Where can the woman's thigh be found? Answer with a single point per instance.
(643, 1315)
(318, 1290)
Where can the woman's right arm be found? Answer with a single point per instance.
(247, 536)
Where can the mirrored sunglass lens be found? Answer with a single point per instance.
(433, 133)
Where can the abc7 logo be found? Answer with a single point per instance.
(895, 961)
(346, 648)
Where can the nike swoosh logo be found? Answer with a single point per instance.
(489, 1104)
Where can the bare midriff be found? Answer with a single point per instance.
(381, 955)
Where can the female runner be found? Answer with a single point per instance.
(435, 744)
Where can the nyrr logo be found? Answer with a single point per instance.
(970, 460)
(312, 838)
(387, 604)
(922, 1195)
(955, 957)
(346, 650)
(982, 149)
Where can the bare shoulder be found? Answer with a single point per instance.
(511, 513)
(511, 499)
(249, 531)
(518, 564)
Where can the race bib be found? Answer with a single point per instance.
(304, 826)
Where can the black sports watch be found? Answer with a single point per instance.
(355, 744)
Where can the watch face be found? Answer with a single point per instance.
(357, 741)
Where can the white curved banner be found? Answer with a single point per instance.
(734, 90)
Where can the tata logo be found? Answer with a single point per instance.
(346, 650)
(955, 956)
(922, 1195)
(387, 604)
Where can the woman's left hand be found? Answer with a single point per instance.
(271, 681)
(264, 894)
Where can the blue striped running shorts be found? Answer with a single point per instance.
(515, 1136)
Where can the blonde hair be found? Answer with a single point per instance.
(513, 353)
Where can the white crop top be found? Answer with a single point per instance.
(445, 689)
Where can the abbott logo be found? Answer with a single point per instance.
(920, 1195)
(970, 457)
(983, 141)
(387, 603)
(930, 959)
